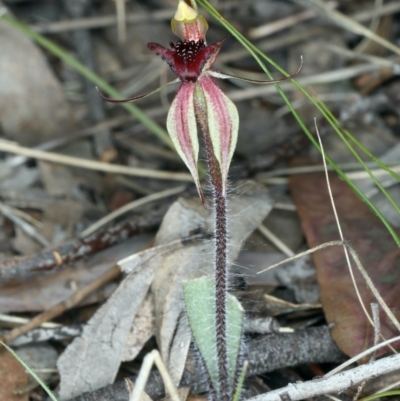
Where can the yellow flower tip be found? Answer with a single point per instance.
(185, 13)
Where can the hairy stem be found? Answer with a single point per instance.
(220, 255)
(221, 288)
(221, 277)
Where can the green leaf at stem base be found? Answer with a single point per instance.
(199, 296)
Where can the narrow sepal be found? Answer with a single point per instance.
(133, 99)
(215, 48)
(221, 75)
(182, 128)
(223, 123)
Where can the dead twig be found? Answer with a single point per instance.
(12, 147)
(129, 207)
(42, 334)
(26, 227)
(121, 19)
(77, 249)
(268, 353)
(102, 22)
(334, 384)
(60, 308)
(267, 233)
(151, 358)
(283, 23)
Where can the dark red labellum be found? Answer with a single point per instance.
(186, 58)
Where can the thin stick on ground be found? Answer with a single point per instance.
(129, 207)
(360, 356)
(333, 384)
(61, 307)
(121, 20)
(12, 147)
(24, 225)
(17, 320)
(301, 254)
(275, 240)
(377, 326)
(77, 249)
(339, 226)
(151, 358)
(377, 333)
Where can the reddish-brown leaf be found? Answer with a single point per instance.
(377, 250)
(13, 378)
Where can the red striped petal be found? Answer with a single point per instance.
(182, 128)
(223, 123)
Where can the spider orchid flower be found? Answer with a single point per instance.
(191, 60)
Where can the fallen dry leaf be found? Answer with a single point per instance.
(13, 377)
(142, 329)
(92, 360)
(34, 108)
(376, 248)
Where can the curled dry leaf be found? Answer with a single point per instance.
(34, 108)
(186, 216)
(377, 251)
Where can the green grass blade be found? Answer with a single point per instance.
(242, 377)
(30, 371)
(257, 53)
(380, 395)
(356, 142)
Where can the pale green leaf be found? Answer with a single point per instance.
(200, 306)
